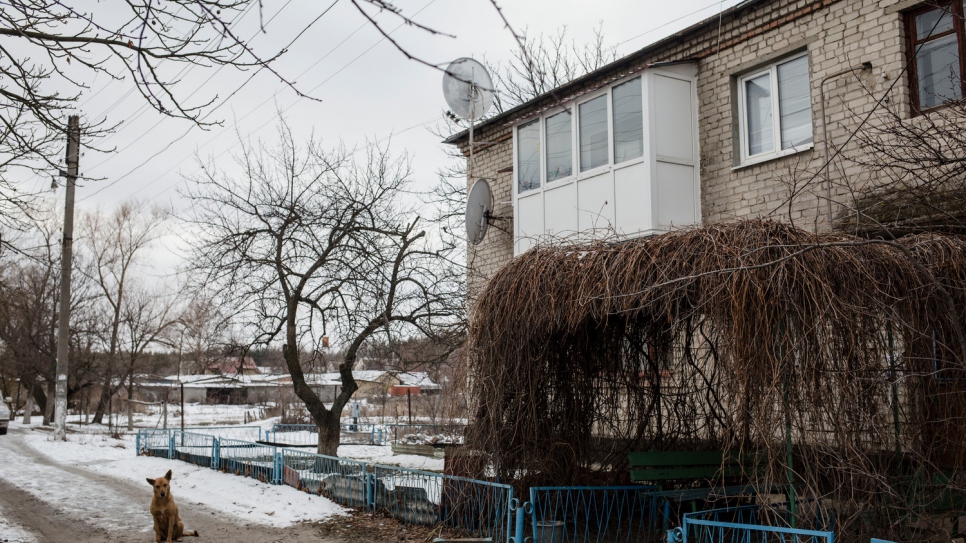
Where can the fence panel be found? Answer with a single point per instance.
(240, 433)
(755, 524)
(479, 508)
(307, 435)
(152, 442)
(593, 514)
(248, 459)
(342, 481)
(193, 448)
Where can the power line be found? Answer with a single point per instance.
(191, 127)
(656, 28)
(272, 119)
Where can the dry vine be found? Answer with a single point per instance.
(740, 337)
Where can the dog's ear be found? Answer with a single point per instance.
(151, 482)
(168, 475)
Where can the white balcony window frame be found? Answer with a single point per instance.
(574, 160)
(771, 70)
(606, 166)
(609, 167)
(540, 158)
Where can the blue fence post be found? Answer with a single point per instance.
(215, 452)
(277, 468)
(370, 480)
(521, 510)
(137, 444)
(171, 446)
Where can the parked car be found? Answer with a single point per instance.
(4, 417)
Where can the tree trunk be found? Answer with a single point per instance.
(130, 408)
(330, 433)
(102, 402)
(29, 409)
(49, 404)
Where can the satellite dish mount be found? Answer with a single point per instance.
(468, 90)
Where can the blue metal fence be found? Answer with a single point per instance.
(593, 513)
(473, 507)
(419, 497)
(343, 481)
(754, 524)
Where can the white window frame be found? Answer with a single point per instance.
(540, 157)
(772, 71)
(574, 160)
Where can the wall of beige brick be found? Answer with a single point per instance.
(838, 34)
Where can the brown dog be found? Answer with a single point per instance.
(167, 524)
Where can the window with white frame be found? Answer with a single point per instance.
(528, 156)
(775, 110)
(559, 140)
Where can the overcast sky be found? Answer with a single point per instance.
(367, 89)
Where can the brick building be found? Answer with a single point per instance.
(720, 121)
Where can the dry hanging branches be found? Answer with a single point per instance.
(740, 337)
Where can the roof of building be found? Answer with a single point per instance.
(417, 378)
(231, 365)
(622, 64)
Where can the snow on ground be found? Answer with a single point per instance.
(12, 533)
(382, 454)
(243, 497)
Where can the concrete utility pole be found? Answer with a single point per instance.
(63, 328)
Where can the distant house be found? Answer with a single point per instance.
(415, 383)
(372, 384)
(223, 389)
(231, 365)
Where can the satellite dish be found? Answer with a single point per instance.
(478, 206)
(468, 88)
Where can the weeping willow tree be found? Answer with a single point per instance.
(837, 362)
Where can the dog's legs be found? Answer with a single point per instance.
(172, 522)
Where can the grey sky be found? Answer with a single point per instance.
(367, 88)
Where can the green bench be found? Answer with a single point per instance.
(659, 467)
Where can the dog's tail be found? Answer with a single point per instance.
(194, 533)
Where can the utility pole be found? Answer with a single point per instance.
(63, 328)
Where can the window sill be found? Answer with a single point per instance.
(774, 156)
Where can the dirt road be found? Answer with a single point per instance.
(105, 509)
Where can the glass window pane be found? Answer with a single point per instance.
(937, 66)
(593, 133)
(759, 115)
(794, 103)
(528, 156)
(560, 161)
(939, 18)
(628, 121)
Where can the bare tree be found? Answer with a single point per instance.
(544, 63)
(918, 174)
(305, 243)
(51, 51)
(147, 315)
(29, 305)
(114, 245)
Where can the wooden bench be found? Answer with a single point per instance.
(659, 467)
